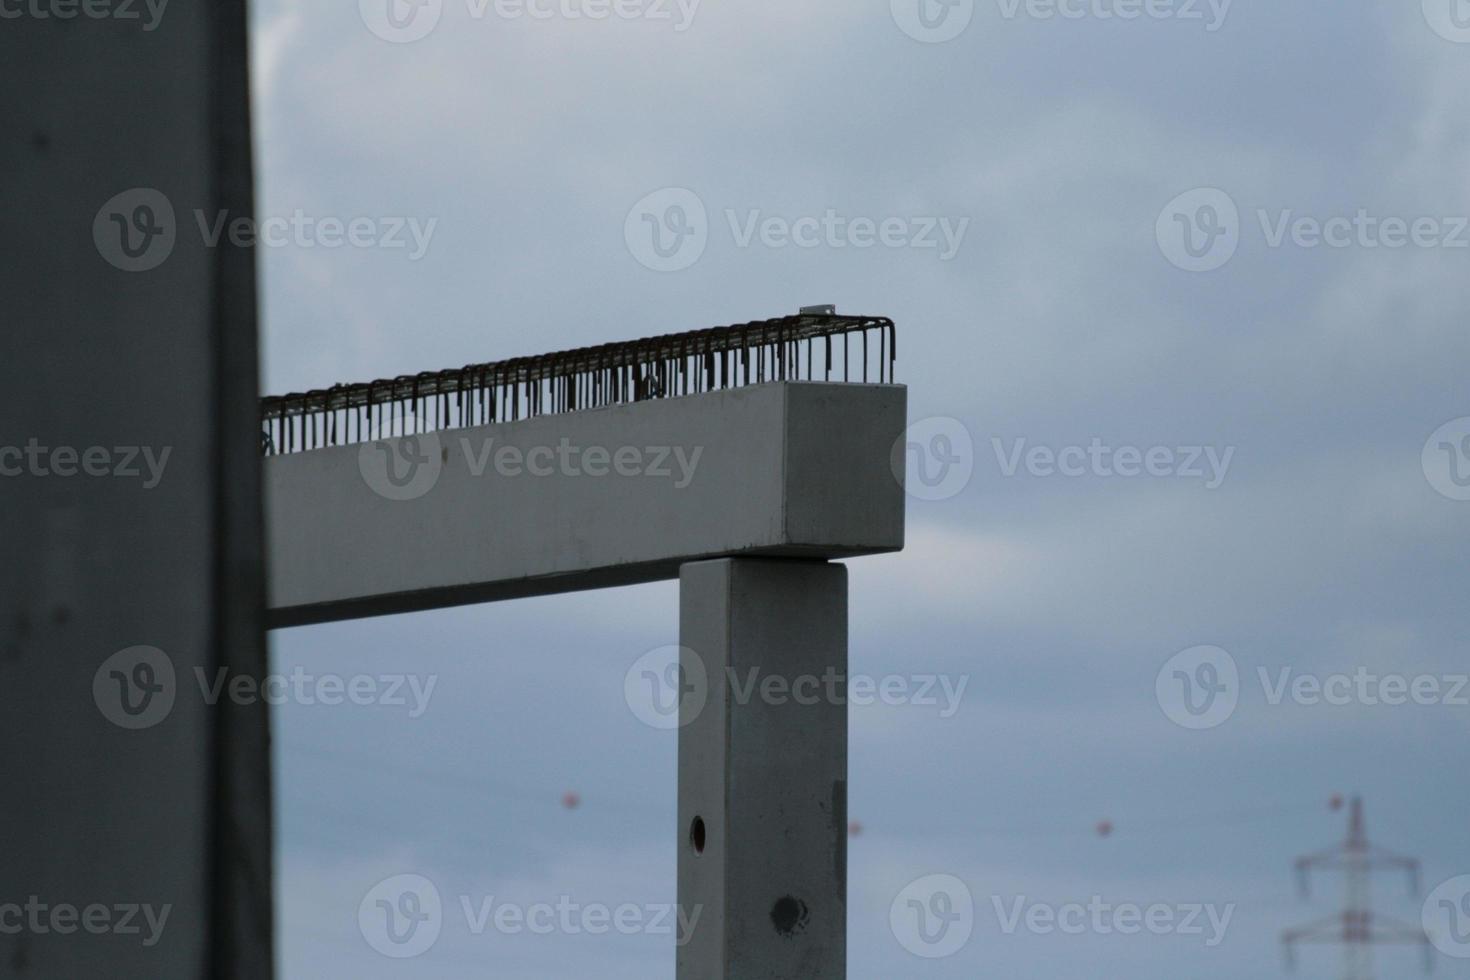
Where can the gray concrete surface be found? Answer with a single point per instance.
(101, 115)
(796, 469)
(763, 770)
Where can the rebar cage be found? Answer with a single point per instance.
(807, 346)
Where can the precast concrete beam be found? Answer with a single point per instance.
(583, 500)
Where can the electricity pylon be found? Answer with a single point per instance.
(1357, 928)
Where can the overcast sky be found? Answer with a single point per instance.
(1094, 250)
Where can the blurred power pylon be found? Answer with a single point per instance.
(1357, 928)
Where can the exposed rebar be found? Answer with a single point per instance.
(573, 380)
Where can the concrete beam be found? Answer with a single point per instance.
(763, 770)
(584, 500)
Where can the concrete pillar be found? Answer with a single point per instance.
(136, 816)
(763, 769)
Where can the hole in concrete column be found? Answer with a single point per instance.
(696, 835)
(789, 915)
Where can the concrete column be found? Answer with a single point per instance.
(136, 815)
(763, 769)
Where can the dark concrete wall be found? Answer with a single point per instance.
(102, 354)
